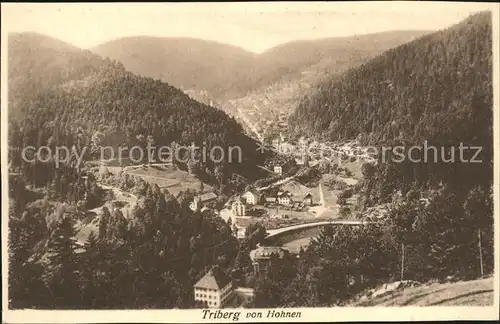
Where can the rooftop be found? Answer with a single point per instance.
(216, 278)
(284, 193)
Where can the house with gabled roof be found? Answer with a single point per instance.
(201, 200)
(252, 197)
(215, 288)
(308, 199)
(284, 198)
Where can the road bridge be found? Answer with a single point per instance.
(278, 231)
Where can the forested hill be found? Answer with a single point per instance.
(327, 55)
(65, 95)
(226, 71)
(186, 63)
(37, 62)
(429, 88)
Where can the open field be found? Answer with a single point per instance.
(330, 197)
(463, 293)
(165, 176)
(170, 178)
(330, 193)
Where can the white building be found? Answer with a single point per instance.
(250, 197)
(215, 288)
(278, 169)
(238, 207)
(284, 198)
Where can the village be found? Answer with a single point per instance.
(282, 204)
(293, 206)
(301, 194)
(253, 204)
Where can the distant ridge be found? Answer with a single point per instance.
(226, 71)
(187, 63)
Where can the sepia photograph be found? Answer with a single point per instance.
(249, 162)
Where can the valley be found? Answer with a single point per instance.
(311, 214)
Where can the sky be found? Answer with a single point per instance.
(253, 26)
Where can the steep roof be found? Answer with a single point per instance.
(216, 278)
(284, 193)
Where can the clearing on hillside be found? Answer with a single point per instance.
(462, 293)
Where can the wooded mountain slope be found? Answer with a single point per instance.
(431, 87)
(229, 72)
(328, 55)
(37, 62)
(64, 95)
(183, 62)
(436, 89)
